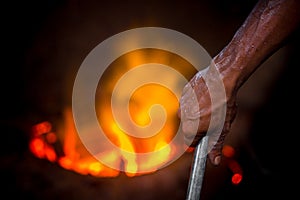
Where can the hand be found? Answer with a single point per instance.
(253, 43)
(197, 110)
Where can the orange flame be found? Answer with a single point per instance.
(46, 143)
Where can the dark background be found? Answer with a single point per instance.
(44, 42)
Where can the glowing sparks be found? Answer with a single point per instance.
(229, 152)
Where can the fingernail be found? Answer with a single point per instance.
(217, 160)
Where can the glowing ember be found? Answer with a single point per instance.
(236, 178)
(65, 147)
(229, 152)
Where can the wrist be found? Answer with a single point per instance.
(229, 70)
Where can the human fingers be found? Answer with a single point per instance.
(216, 141)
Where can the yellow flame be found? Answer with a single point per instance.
(75, 156)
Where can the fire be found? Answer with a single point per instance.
(64, 146)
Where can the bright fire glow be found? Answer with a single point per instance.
(46, 143)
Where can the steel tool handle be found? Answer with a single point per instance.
(197, 170)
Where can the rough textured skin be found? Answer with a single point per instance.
(196, 112)
(264, 31)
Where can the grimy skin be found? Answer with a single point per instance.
(265, 30)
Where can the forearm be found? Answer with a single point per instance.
(263, 32)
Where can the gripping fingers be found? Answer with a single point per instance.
(218, 142)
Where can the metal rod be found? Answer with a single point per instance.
(197, 170)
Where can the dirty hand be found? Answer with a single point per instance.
(197, 112)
